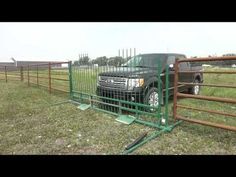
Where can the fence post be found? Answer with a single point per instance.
(49, 78)
(21, 74)
(176, 78)
(70, 78)
(167, 95)
(6, 73)
(28, 76)
(37, 76)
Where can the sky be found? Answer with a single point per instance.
(65, 41)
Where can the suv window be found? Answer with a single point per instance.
(170, 60)
(183, 66)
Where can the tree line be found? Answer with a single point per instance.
(101, 61)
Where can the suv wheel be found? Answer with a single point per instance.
(195, 90)
(152, 99)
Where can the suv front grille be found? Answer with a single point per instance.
(113, 82)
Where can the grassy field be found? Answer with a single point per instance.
(30, 125)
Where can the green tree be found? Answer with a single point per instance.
(84, 60)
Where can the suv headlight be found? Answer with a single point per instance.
(135, 83)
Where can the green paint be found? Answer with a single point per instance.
(126, 119)
(83, 89)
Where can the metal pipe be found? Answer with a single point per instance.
(6, 73)
(176, 79)
(37, 76)
(28, 76)
(208, 59)
(226, 127)
(166, 95)
(204, 110)
(21, 73)
(70, 79)
(209, 98)
(209, 72)
(208, 85)
(49, 77)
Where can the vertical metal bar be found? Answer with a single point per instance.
(70, 79)
(134, 51)
(166, 95)
(49, 77)
(6, 73)
(159, 88)
(37, 75)
(21, 73)
(175, 89)
(28, 76)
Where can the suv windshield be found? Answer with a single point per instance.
(149, 60)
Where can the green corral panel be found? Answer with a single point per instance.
(126, 119)
(84, 106)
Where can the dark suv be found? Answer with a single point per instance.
(137, 80)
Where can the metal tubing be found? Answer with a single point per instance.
(209, 72)
(70, 79)
(209, 98)
(226, 127)
(208, 85)
(28, 76)
(152, 136)
(21, 74)
(37, 75)
(49, 77)
(6, 73)
(208, 59)
(176, 80)
(204, 110)
(166, 95)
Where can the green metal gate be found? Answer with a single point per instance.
(121, 90)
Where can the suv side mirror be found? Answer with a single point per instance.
(171, 67)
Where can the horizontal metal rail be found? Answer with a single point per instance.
(208, 85)
(38, 77)
(204, 110)
(51, 88)
(53, 78)
(67, 91)
(15, 76)
(217, 125)
(209, 72)
(202, 97)
(207, 59)
(47, 78)
(113, 99)
(124, 108)
(46, 63)
(209, 98)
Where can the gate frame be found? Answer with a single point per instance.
(167, 127)
(209, 98)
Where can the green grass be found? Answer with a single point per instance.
(29, 125)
